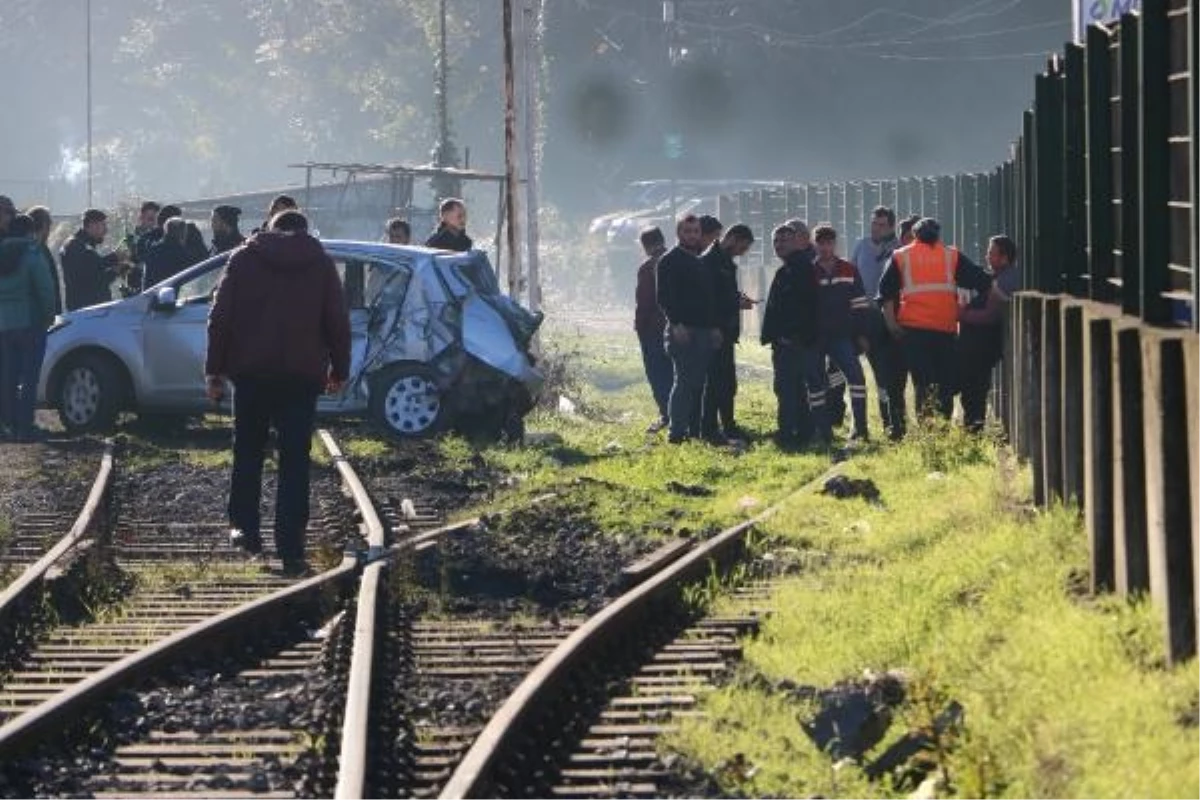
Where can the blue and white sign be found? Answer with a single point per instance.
(1089, 12)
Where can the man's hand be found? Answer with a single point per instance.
(864, 344)
(334, 386)
(744, 302)
(215, 387)
(680, 334)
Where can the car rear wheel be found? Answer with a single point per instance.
(90, 395)
(406, 401)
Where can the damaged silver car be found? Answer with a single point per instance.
(435, 344)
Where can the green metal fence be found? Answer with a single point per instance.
(1098, 390)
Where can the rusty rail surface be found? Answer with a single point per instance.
(502, 738)
(46, 719)
(33, 576)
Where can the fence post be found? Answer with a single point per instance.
(1191, 371)
(1154, 155)
(1028, 194)
(1131, 560)
(1013, 362)
(1099, 163)
(1048, 161)
(1169, 494)
(1193, 48)
(1050, 407)
(1075, 169)
(1070, 408)
(1130, 179)
(1032, 319)
(1099, 435)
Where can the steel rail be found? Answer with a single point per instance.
(49, 717)
(356, 718)
(474, 775)
(33, 575)
(375, 531)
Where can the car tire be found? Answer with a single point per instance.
(407, 402)
(90, 394)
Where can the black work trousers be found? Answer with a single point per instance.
(289, 406)
(979, 350)
(886, 358)
(720, 390)
(930, 356)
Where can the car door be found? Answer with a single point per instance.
(356, 273)
(175, 340)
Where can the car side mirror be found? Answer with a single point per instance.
(165, 297)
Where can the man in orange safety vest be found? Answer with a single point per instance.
(919, 290)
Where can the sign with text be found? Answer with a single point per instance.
(1089, 12)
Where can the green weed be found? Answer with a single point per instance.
(974, 597)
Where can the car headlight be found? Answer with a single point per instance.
(58, 324)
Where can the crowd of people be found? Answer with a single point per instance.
(35, 286)
(914, 306)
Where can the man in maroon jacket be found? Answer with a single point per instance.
(650, 323)
(280, 331)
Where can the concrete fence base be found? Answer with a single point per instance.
(1107, 410)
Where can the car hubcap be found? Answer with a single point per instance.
(412, 404)
(80, 395)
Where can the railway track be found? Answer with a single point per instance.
(214, 679)
(585, 722)
(200, 631)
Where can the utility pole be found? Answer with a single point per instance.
(532, 64)
(444, 152)
(89, 103)
(510, 155)
(671, 30)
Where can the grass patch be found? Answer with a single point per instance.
(601, 455)
(957, 583)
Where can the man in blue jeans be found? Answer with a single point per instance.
(841, 325)
(279, 329)
(26, 310)
(686, 293)
(650, 324)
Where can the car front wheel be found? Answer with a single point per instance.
(406, 401)
(89, 395)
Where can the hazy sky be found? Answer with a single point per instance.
(214, 96)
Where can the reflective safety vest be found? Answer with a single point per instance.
(928, 293)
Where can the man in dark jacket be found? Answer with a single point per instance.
(451, 233)
(169, 256)
(42, 223)
(87, 275)
(685, 292)
(842, 324)
(279, 204)
(26, 310)
(280, 331)
(835, 381)
(650, 324)
(152, 236)
(225, 233)
(721, 386)
(981, 332)
(790, 328)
